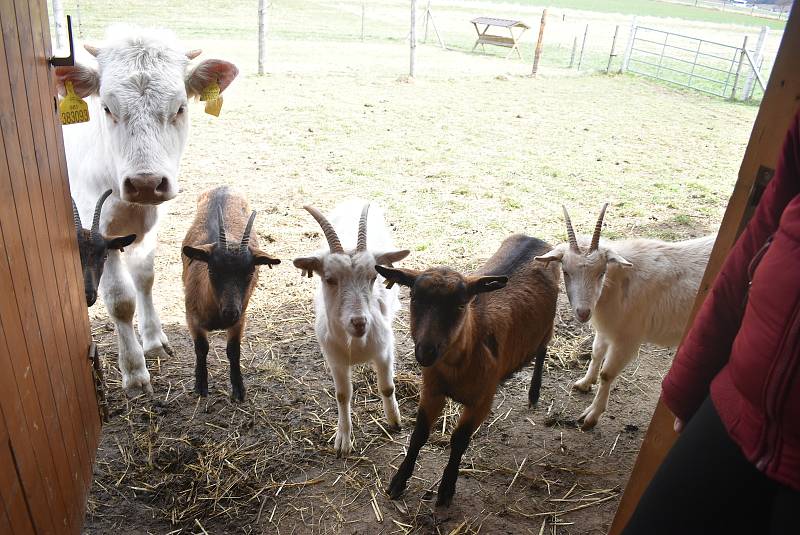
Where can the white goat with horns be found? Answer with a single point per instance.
(354, 311)
(634, 291)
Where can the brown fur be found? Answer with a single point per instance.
(499, 331)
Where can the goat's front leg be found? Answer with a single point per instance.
(119, 296)
(599, 350)
(471, 417)
(233, 350)
(430, 407)
(343, 384)
(200, 368)
(618, 356)
(384, 369)
(140, 262)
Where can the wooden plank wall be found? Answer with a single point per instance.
(777, 109)
(49, 423)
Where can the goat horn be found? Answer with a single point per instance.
(362, 229)
(223, 241)
(247, 230)
(76, 217)
(597, 229)
(327, 229)
(98, 207)
(573, 242)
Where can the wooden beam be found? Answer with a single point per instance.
(777, 110)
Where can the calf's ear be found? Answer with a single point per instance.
(120, 242)
(403, 277)
(263, 259)
(201, 252)
(308, 265)
(85, 80)
(208, 71)
(477, 285)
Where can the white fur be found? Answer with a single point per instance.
(636, 291)
(143, 133)
(359, 291)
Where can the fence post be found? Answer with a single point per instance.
(629, 47)
(412, 38)
(363, 9)
(583, 45)
(613, 46)
(750, 84)
(574, 46)
(738, 69)
(537, 54)
(262, 35)
(58, 19)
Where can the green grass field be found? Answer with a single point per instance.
(659, 8)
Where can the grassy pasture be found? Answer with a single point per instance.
(468, 153)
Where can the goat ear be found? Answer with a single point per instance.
(263, 259)
(391, 257)
(403, 277)
(308, 265)
(85, 80)
(120, 242)
(553, 256)
(201, 252)
(206, 72)
(477, 285)
(614, 258)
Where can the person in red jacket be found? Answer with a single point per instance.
(734, 386)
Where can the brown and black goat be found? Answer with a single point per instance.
(468, 341)
(93, 248)
(219, 278)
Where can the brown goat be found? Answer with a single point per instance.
(469, 341)
(219, 278)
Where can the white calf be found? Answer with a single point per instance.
(354, 311)
(137, 87)
(634, 291)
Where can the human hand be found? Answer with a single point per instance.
(678, 425)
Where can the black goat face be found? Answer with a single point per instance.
(94, 248)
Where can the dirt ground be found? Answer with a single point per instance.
(463, 156)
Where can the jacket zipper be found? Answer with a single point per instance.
(776, 390)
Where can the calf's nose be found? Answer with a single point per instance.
(147, 188)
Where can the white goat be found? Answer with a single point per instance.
(354, 311)
(634, 291)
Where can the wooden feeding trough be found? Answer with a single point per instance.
(512, 41)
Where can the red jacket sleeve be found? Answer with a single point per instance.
(707, 346)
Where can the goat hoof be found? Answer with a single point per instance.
(237, 396)
(444, 499)
(588, 419)
(395, 428)
(396, 487)
(342, 444)
(168, 350)
(201, 391)
(582, 386)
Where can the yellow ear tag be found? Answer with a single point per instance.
(213, 107)
(73, 109)
(211, 92)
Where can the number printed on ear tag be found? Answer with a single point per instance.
(210, 93)
(213, 107)
(73, 109)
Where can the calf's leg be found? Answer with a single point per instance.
(140, 262)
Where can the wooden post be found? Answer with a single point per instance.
(262, 35)
(749, 85)
(538, 53)
(58, 19)
(572, 55)
(363, 9)
(583, 45)
(629, 47)
(412, 38)
(774, 116)
(738, 69)
(613, 46)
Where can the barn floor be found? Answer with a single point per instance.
(460, 158)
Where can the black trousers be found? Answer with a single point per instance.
(706, 486)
